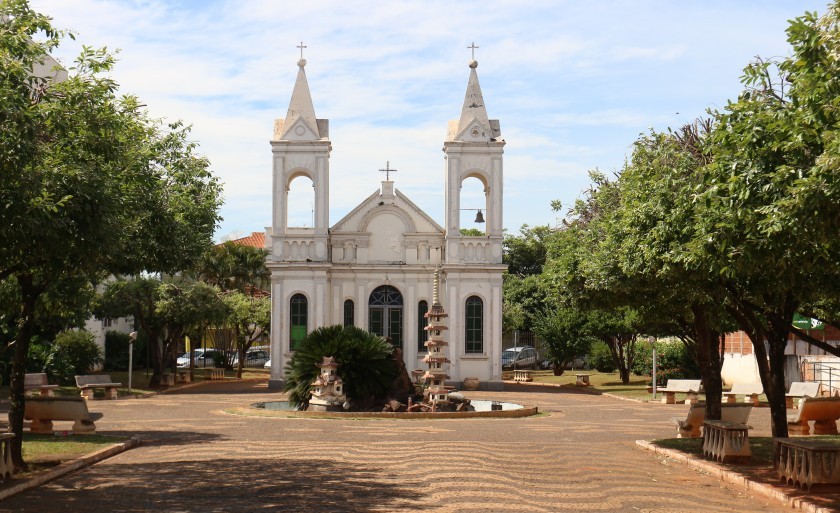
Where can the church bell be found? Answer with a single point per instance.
(479, 217)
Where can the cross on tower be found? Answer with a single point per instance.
(301, 46)
(387, 171)
(473, 47)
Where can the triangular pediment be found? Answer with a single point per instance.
(416, 219)
(298, 130)
(474, 130)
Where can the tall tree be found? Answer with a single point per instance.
(654, 227)
(234, 267)
(770, 225)
(249, 318)
(88, 183)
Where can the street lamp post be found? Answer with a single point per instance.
(132, 338)
(652, 341)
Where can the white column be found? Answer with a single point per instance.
(411, 328)
(495, 342)
(279, 331)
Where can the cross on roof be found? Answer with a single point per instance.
(387, 171)
(301, 46)
(473, 47)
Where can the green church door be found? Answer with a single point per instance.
(386, 314)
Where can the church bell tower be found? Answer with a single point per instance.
(300, 146)
(474, 149)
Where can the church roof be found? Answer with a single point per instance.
(255, 240)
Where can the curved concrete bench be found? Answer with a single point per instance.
(88, 383)
(824, 411)
(689, 427)
(750, 391)
(44, 410)
(37, 382)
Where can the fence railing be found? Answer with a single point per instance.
(825, 373)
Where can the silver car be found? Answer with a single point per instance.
(520, 357)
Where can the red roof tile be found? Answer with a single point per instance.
(256, 240)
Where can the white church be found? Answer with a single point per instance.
(374, 268)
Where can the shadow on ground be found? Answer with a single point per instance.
(161, 438)
(549, 389)
(221, 485)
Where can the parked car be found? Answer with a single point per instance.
(267, 364)
(520, 357)
(253, 358)
(579, 362)
(202, 358)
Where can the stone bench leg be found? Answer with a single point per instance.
(789, 403)
(825, 427)
(84, 426)
(669, 398)
(41, 426)
(7, 468)
(688, 431)
(731, 399)
(752, 399)
(110, 393)
(87, 393)
(799, 428)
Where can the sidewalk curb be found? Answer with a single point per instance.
(67, 467)
(729, 476)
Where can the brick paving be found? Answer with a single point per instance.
(578, 456)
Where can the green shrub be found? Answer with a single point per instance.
(36, 358)
(601, 358)
(72, 353)
(116, 351)
(366, 366)
(673, 361)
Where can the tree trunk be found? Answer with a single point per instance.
(776, 389)
(157, 359)
(617, 349)
(26, 323)
(708, 358)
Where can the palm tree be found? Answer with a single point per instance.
(367, 368)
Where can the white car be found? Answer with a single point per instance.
(253, 358)
(203, 358)
(267, 364)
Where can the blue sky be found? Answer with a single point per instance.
(572, 83)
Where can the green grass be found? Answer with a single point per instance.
(601, 381)
(42, 452)
(760, 447)
(610, 383)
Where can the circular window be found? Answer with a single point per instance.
(299, 130)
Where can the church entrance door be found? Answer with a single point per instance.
(386, 314)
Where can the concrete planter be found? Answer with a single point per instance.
(471, 383)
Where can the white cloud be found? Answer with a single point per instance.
(573, 83)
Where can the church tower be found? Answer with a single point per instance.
(474, 149)
(300, 147)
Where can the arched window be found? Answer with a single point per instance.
(349, 312)
(385, 314)
(474, 333)
(422, 322)
(298, 310)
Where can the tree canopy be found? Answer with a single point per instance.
(89, 184)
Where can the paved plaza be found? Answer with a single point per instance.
(580, 455)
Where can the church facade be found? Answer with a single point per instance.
(374, 268)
